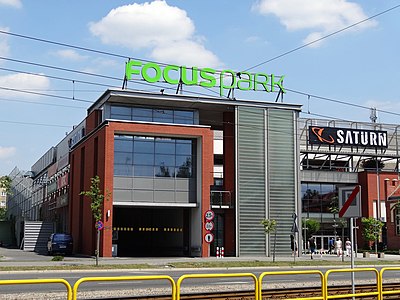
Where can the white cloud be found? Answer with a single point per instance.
(70, 54)
(155, 26)
(6, 152)
(4, 48)
(13, 3)
(320, 16)
(22, 82)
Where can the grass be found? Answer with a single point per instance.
(202, 265)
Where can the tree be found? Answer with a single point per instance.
(371, 230)
(269, 227)
(5, 183)
(312, 226)
(97, 198)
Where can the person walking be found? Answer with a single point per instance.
(331, 245)
(338, 247)
(311, 244)
(348, 247)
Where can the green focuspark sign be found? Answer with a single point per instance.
(205, 77)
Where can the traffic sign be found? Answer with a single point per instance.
(208, 237)
(349, 202)
(209, 215)
(99, 225)
(209, 225)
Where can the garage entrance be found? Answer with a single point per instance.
(151, 232)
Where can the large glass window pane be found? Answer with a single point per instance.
(164, 171)
(183, 160)
(123, 158)
(120, 110)
(163, 116)
(183, 117)
(164, 159)
(183, 172)
(183, 149)
(123, 145)
(147, 171)
(143, 159)
(142, 114)
(123, 170)
(144, 146)
(165, 147)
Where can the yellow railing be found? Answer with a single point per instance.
(308, 272)
(72, 293)
(377, 293)
(125, 278)
(183, 277)
(381, 273)
(40, 281)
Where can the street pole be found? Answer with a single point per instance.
(351, 254)
(97, 247)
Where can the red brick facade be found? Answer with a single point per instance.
(95, 156)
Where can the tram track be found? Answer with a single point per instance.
(281, 293)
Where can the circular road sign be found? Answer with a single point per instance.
(208, 237)
(209, 215)
(99, 225)
(209, 225)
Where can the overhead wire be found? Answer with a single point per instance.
(127, 57)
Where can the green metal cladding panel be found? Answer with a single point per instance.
(281, 174)
(250, 180)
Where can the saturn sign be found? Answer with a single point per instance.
(347, 137)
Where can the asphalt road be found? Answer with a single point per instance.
(16, 257)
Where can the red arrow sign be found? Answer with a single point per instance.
(349, 200)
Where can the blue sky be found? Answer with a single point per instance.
(359, 66)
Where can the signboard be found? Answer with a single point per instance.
(206, 77)
(347, 137)
(208, 237)
(99, 225)
(209, 225)
(209, 215)
(350, 202)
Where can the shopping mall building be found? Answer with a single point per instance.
(183, 175)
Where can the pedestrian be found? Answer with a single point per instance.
(348, 247)
(311, 243)
(293, 244)
(338, 247)
(331, 245)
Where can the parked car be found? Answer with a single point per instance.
(60, 243)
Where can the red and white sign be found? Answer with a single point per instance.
(209, 215)
(208, 237)
(209, 225)
(349, 202)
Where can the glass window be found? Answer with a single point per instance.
(123, 158)
(122, 145)
(142, 114)
(184, 161)
(183, 117)
(164, 171)
(165, 147)
(163, 116)
(144, 146)
(164, 159)
(183, 172)
(183, 148)
(120, 110)
(142, 171)
(123, 170)
(143, 159)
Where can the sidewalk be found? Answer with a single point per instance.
(19, 258)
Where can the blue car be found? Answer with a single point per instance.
(60, 243)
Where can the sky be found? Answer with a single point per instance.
(336, 58)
